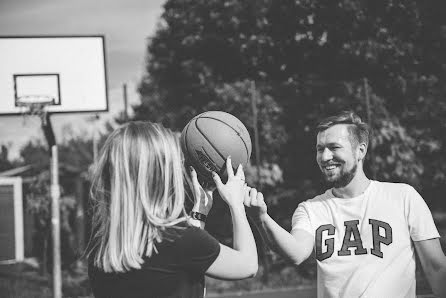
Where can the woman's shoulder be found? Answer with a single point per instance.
(183, 244)
(185, 232)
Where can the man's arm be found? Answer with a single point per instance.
(296, 247)
(433, 261)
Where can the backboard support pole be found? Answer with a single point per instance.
(48, 131)
(55, 223)
(55, 208)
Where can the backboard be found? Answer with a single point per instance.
(68, 70)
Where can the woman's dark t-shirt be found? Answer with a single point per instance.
(176, 271)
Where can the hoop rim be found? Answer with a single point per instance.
(34, 100)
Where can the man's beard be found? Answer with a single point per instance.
(344, 178)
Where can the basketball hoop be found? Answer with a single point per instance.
(34, 105)
(32, 84)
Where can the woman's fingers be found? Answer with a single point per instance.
(217, 180)
(229, 168)
(195, 183)
(240, 173)
(193, 173)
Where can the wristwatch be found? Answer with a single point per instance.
(198, 216)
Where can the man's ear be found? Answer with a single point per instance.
(362, 151)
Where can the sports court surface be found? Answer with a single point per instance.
(285, 293)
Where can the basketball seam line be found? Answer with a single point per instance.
(246, 147)
(210, 143)
(187, 143)
(185, 138)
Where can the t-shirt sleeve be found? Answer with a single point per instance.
(419, 217)
(301, 219)
(199, 250)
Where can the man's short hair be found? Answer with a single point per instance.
(359, 131)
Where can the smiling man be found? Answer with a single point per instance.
(339, 152)
(364, 233)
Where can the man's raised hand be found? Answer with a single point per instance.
(255, 204)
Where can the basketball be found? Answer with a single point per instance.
(209, 138)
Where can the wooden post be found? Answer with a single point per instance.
(124, 91)
(95, 145)
(369, 122)
(80, 216)
(266, 251)
(55, 223)
(256, 129)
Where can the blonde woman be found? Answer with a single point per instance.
(143, 243)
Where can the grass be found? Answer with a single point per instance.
(22, 288)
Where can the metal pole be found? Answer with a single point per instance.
(48, 130)
(55, 223)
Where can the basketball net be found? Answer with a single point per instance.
(35, 105)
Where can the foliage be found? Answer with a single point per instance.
(299, 61)
(76, 154)
(38, 204)
(392, 150)
(5, 163)
(35, 153)
(240, 99)
(309, 59)
(267, 175)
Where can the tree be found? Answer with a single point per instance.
(386, 60)
(310, 57)
(38, 203)
(5, 163)
(75, 158)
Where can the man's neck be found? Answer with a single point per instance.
(355, 188)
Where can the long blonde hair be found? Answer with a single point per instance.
(137, 191)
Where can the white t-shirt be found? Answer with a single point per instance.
(363, 244)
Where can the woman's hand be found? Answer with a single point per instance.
(241, 261)
(233, 191)
(203, 198)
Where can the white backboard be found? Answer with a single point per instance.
(71, 70)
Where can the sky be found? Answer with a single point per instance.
(127, 26)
